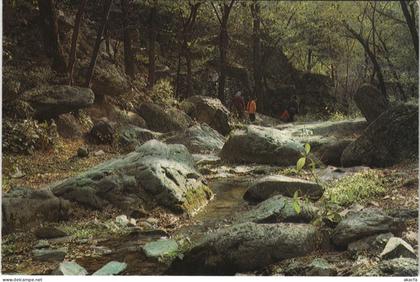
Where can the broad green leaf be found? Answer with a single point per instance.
(296, 206)
(300, 163)
(307, 148)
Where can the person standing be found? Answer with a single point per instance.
(238, 104)
(252, 109)
(293, 108)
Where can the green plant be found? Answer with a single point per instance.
(307, 159)
(355, 188)
(163, 92)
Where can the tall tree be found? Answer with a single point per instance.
(128, 52)
(256, 51)
(151, 45)
(184, 44)
(98, 41)
(76, 28)
(223, 17)
(52, 44)
(411, 23)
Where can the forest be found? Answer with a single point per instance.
(210, 137)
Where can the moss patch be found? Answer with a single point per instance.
(355, 188)
(196, 199)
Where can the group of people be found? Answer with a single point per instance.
(238, 108)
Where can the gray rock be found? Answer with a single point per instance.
(360, 224)
(160, 248)
(330, 154)
(49, 254)
(163, 174)
(70, 268)
(269, 186)
(199, 138)
(397, 247)
(42, 244)
(51, 101)
(82, 152)
(122, 220)
(391, 138)
(321, 267)
(318, 267)
(246, 247)
(99, 153)
(278, 209)
(203, 159)
(111, 268)
(68, 126)
(370, 101)
(208, 110)
(40, 206)
(393, 267)
(132, 136)
(109, 80)
(263, 145)
(102, 132)
(161, 120)
(49, 232)
(373, 244)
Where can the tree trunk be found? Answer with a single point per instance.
(257, 64)
(411, 23)
(189, 73)
(75, 35)
(223, 46)
(151, 47)
(309, 64)
(98, 41)
(49, 23)
(372, 57)
(128, 53)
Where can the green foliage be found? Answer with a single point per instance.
(163, 92)
(355, 188)
(28, 135)
(308, 160)
(296, 203)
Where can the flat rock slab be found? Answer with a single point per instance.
(70, 268)
(160, 173)
(364, 223)
(49, 232)
(51, 101)
(49, 254)
(160, 248)
(279, 209)
(199, 139)
(263, 145)
(111, 268)
(397, 247)
(246, 247)
(39, 206)
(269, 186)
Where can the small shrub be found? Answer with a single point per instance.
(354, 188)
(28, 135)
(163, 92)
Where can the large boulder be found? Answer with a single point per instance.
(154, 174)
(370, 101)
(109, 80)
(391, 138)
(68, 126)
(208, 110)
(51, 101)
(161, 120)
(361, 224)
(330, 153)
(279, 209)
(22, 208)
(131, 136)
(269, 186)
(199, 139)
(102, 132)
(263, 145)
(246, 247)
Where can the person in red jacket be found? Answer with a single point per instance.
(252, 109)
